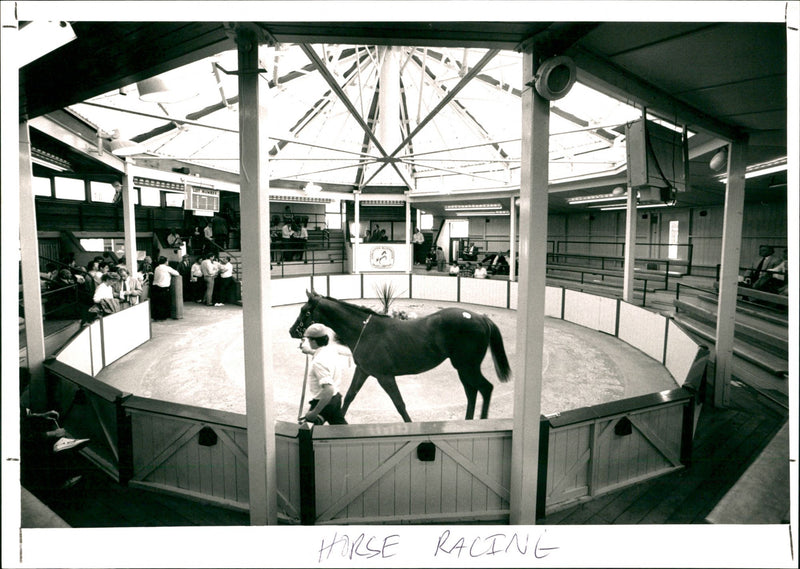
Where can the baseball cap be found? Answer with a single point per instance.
(317, 330)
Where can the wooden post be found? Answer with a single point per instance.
(512, 247)
(409, 247)
(729, 271)
(256, 287)
(31, 289)
(629, 255)
(129, 221)
(357, 236)
(530, 310)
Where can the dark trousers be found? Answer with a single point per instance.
(332, 412)
(160, 302)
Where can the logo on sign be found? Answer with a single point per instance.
(381, 257)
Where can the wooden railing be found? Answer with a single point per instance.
(396, 473)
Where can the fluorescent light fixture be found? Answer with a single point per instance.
(36, 39)
(46, 164)
(762, 169)
(621, 207)
(596, 199)
(482, 213)
(472, 207)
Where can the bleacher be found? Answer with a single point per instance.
(761, 338)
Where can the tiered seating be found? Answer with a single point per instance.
(761, 344)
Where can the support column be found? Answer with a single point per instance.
(129, 221)
(409, 248)
(630, 246)
(31, 288)
(357, 219)
(256, 284)
(512, 246)
(729, 270)
(530, 311)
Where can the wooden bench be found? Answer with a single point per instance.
(607, 290)
(643, 276)
(765, 360)
(776, 340)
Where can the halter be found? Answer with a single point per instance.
(363, 327)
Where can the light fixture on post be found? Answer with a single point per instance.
(555, 77)
(123, 147)
(720, 160)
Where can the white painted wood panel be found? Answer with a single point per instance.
(485, 292)
(681, 353)
(345, 286)
(595, 312)
(434, 288)
(642, 329)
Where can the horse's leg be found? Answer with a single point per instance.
(472, 396)
(390, 387)
(473, 381)
(359, 377)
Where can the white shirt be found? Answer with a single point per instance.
(209, 268)
(327, 368)
(162, 276)
(103, 292)
(286, 231)
(418, 238)
(225, 270)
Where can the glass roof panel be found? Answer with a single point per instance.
(472, 142)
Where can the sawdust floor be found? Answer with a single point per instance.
(199, 360)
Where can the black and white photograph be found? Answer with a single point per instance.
(393, 284)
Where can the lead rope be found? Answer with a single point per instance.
(363, 327)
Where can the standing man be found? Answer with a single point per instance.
(325, 376)
(418, 240)
(210, 270)
(208, 234)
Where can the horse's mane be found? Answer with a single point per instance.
(364, 309)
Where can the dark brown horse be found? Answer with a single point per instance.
(385, 347)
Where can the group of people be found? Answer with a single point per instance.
(209, 280)
(288, 238)
(75, 292)
(376, 235)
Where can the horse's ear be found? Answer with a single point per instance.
(310, 294)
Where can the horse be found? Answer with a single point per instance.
(385, 347)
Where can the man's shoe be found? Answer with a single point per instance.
(65, 443)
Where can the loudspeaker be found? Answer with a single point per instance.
(555, 77)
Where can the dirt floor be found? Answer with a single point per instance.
(199, 360)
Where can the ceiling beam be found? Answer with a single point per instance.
(608, 78)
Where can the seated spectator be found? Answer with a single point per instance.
(174, 240)
(480, 272)
(766, 260)
(48, 276)
(104, 300)
(773, 280)
(130, 288)
(62, 298)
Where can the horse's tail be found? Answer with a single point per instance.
(498, 352)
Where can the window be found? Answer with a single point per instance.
(70, 189)
(102, 192)
(426, 221)
(174, 200)
(41, 187)
(151, 196)
(672, 250)
(459, 228)
(333, 216)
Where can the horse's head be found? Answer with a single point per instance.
(306, 317)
